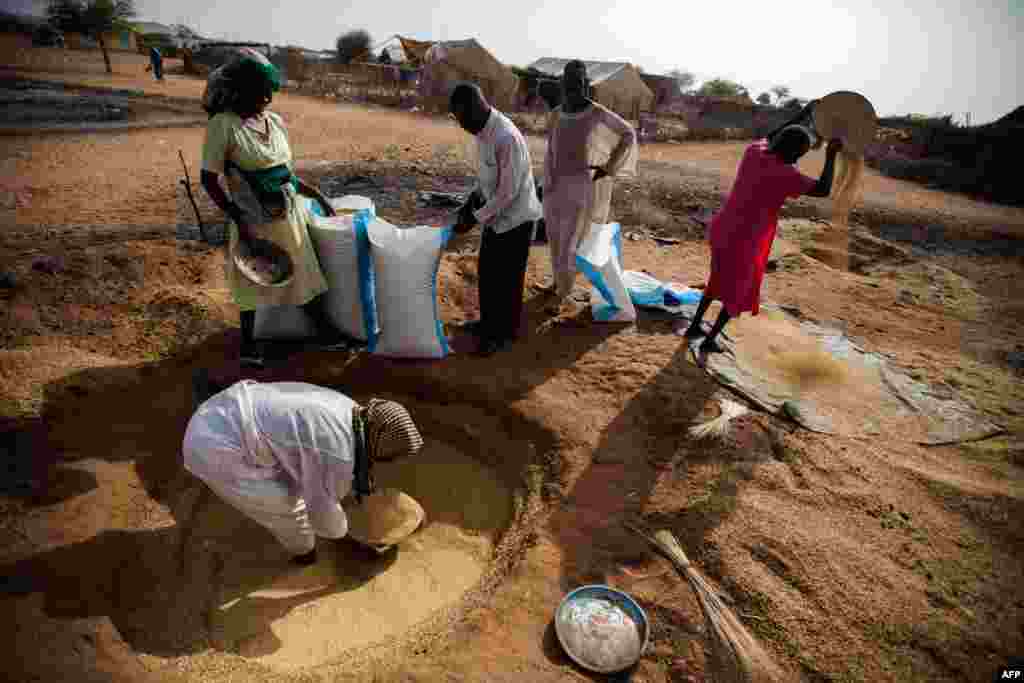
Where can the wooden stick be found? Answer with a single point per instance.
(187, 182)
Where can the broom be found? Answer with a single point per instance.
(719, 426)
(736, 656)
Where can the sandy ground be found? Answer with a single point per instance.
(851, 559)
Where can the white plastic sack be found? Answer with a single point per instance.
(283, 323)
(599, 258)
(649, 292)
(405, 263)
(343, 249)
(351, 203)
(314, 207)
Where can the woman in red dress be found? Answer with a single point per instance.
(742, 232)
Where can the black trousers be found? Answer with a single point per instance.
(501, 271)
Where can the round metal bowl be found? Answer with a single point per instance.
(263, 262)
(602, 629)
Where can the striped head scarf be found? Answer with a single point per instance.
(384, 431)
(390, 431)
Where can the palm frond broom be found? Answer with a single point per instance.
(736, 656)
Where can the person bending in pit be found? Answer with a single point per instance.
(505, 203)
(742, 232)
(286, 453)
(248, 145)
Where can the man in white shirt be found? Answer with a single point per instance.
(505, 203)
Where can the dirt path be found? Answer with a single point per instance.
(323, 131)
(850, 559)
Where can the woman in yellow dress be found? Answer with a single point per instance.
(248, 145)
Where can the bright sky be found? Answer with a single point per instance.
(920, 56)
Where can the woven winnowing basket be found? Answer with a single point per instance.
(385, 518)
(848, 116)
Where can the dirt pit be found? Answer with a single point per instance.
(28, 103)
(289, 618)
(188, 581)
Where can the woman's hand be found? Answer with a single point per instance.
(466, 220)
(245, 231)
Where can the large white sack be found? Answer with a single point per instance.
(599, 258)
(351, 203)
(405, 263)
(283, 322)
(343, 249)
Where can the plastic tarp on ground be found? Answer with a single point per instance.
(825, 382)
(649, 292)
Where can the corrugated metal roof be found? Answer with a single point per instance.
(596, 71)
(152, 27)
(454, 44)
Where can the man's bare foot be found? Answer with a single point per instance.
(555, 307)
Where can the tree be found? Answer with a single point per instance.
(353, 45)
(185, 36)
(764, 98)
(721, 87)
(94, 18)
(686, 79)
(795, 103)
(781, 93)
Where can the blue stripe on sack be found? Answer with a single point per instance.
(604, 312)
(314, 207)
(367, 283)
(596, 278)
(446, 234)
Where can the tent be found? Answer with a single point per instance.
(394, 48)
(665, 88)
(414, 50)
(450, 62)
(616, 85)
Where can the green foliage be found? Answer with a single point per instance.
(764, 98)
(781, 92)
(90, 17)
(721, 87)
(352, 45)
